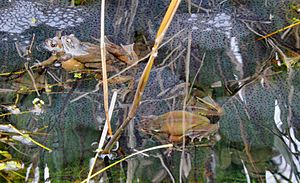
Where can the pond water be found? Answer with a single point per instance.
(248, 131)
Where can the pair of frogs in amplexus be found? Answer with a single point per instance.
(75, 55)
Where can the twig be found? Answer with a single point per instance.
(169, 55)
(103, 63)
(145, 76)
(280, 30)
(127, 68)
(18, 50)
(103, 135)
(187, 75)
(28, 137)
(139, 152)
(159, 156)
(198, 71)
(31, 44)
(29, 71)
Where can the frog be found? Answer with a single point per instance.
(89, 54)
(69, 60)
(86, 52)
(169, 127)
(196, 122)
(77, 56)
(54, 45)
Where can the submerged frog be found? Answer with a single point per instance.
(174, 125)
(171, 127)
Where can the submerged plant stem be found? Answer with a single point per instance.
(104, 71)
(145, 76)
(117, 162)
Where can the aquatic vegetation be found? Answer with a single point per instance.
(52, 82)
(11, 167)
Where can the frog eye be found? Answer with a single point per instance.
(68, 40)
(53, 44)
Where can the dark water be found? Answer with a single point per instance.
(259, 129)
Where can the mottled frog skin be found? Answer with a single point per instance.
(82, 51)
(54, 45)
(76, 55)
(86, 52)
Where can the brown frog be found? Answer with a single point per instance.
(86, 52)
(90, 55)
(66, 47)
(75, 55)
(171, 127)
(55, 46)
(174, 125)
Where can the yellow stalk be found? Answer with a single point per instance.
(145, 76)
(28, 137)
(280, 30)
(104, 71)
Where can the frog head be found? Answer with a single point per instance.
(53, 45)
(73, 46)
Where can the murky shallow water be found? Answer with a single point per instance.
(260, 125)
